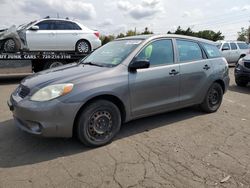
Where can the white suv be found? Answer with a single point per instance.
(50, 35)
(233, 50)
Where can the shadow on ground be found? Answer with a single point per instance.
(18, 148)
(243, 90)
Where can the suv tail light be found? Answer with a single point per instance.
(97, 34)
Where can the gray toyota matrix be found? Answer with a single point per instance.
(125, 79)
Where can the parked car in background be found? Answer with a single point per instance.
(50, 34)
(242, 71)
(233, 50)
(123, 80)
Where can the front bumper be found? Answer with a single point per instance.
(242, 73)
(48, 119)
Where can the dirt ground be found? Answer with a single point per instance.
(185, 148)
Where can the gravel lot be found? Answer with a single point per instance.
(185, 148)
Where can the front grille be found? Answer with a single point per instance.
(247, 64)
(23, 91)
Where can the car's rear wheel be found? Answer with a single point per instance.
(83, 46)
(213, 98)
(98, 123)
(241, 83)
(10, 45)
(52, 64)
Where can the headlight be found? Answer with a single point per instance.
(51, 92)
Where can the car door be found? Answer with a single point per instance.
(194, 71)
(155, 89)
(235, 54)
(42, 39)
(226, 52)
(67, 35)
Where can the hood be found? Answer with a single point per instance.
(70, 73)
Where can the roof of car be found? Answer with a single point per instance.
(220, 41)
(155, 36)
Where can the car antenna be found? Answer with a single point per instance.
(47, 17)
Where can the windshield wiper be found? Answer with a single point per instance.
(93, 64)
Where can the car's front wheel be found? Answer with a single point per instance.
(83, 47)
(98, 123)
(10, 45)
(213, 98)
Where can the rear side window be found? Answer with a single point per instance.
(159, 52)
(211, 50)
(65, 25)
(233, 46)
(242, 45)
(188, 51)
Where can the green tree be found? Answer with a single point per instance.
(146, 32)
(244, 35)
(106, 39)
(206, 34)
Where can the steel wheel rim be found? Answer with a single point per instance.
(9, 45)
(100, 126)
(214, 97)
(83, 47)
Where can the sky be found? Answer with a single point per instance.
(113, 17)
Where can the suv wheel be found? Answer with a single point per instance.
(83, 46)
(212, 99)
(241, 83)
(53, 64)
(98, 123)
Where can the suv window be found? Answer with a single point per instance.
(211, 50)
(242, 45)
(226, 46)
(233, 46)
(46, 25)
(188, 51)
(66, 25)
(159, 52)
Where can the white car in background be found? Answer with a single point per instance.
(233, 50)
(50, 34)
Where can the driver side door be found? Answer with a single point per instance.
(44, 38)
(155, 89)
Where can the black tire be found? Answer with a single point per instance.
(52, 64)
(241, 83)
(11, 45)
(98, 123)
(213, 98)
(83, 47)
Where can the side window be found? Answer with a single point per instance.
(211, 50)
(158, 53)
(226, 46)
(188, 51)
(233, 46)
(44, 25)
(75, 26)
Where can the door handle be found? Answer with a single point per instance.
(206, 67)
(173, 72)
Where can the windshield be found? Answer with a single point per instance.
(25, 26)
(242, 45)
(113, 53)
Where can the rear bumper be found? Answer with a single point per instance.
(47, 119)
(96, 44)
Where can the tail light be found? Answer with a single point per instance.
(97, 34)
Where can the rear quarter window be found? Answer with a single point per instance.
(242, 45)
(211, 50)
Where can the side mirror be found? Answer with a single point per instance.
(225, 48)
(34, 28)
(138, 64)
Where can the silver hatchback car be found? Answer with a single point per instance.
(125, 79)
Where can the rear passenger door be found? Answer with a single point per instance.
(155, 89)
(194, 71)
